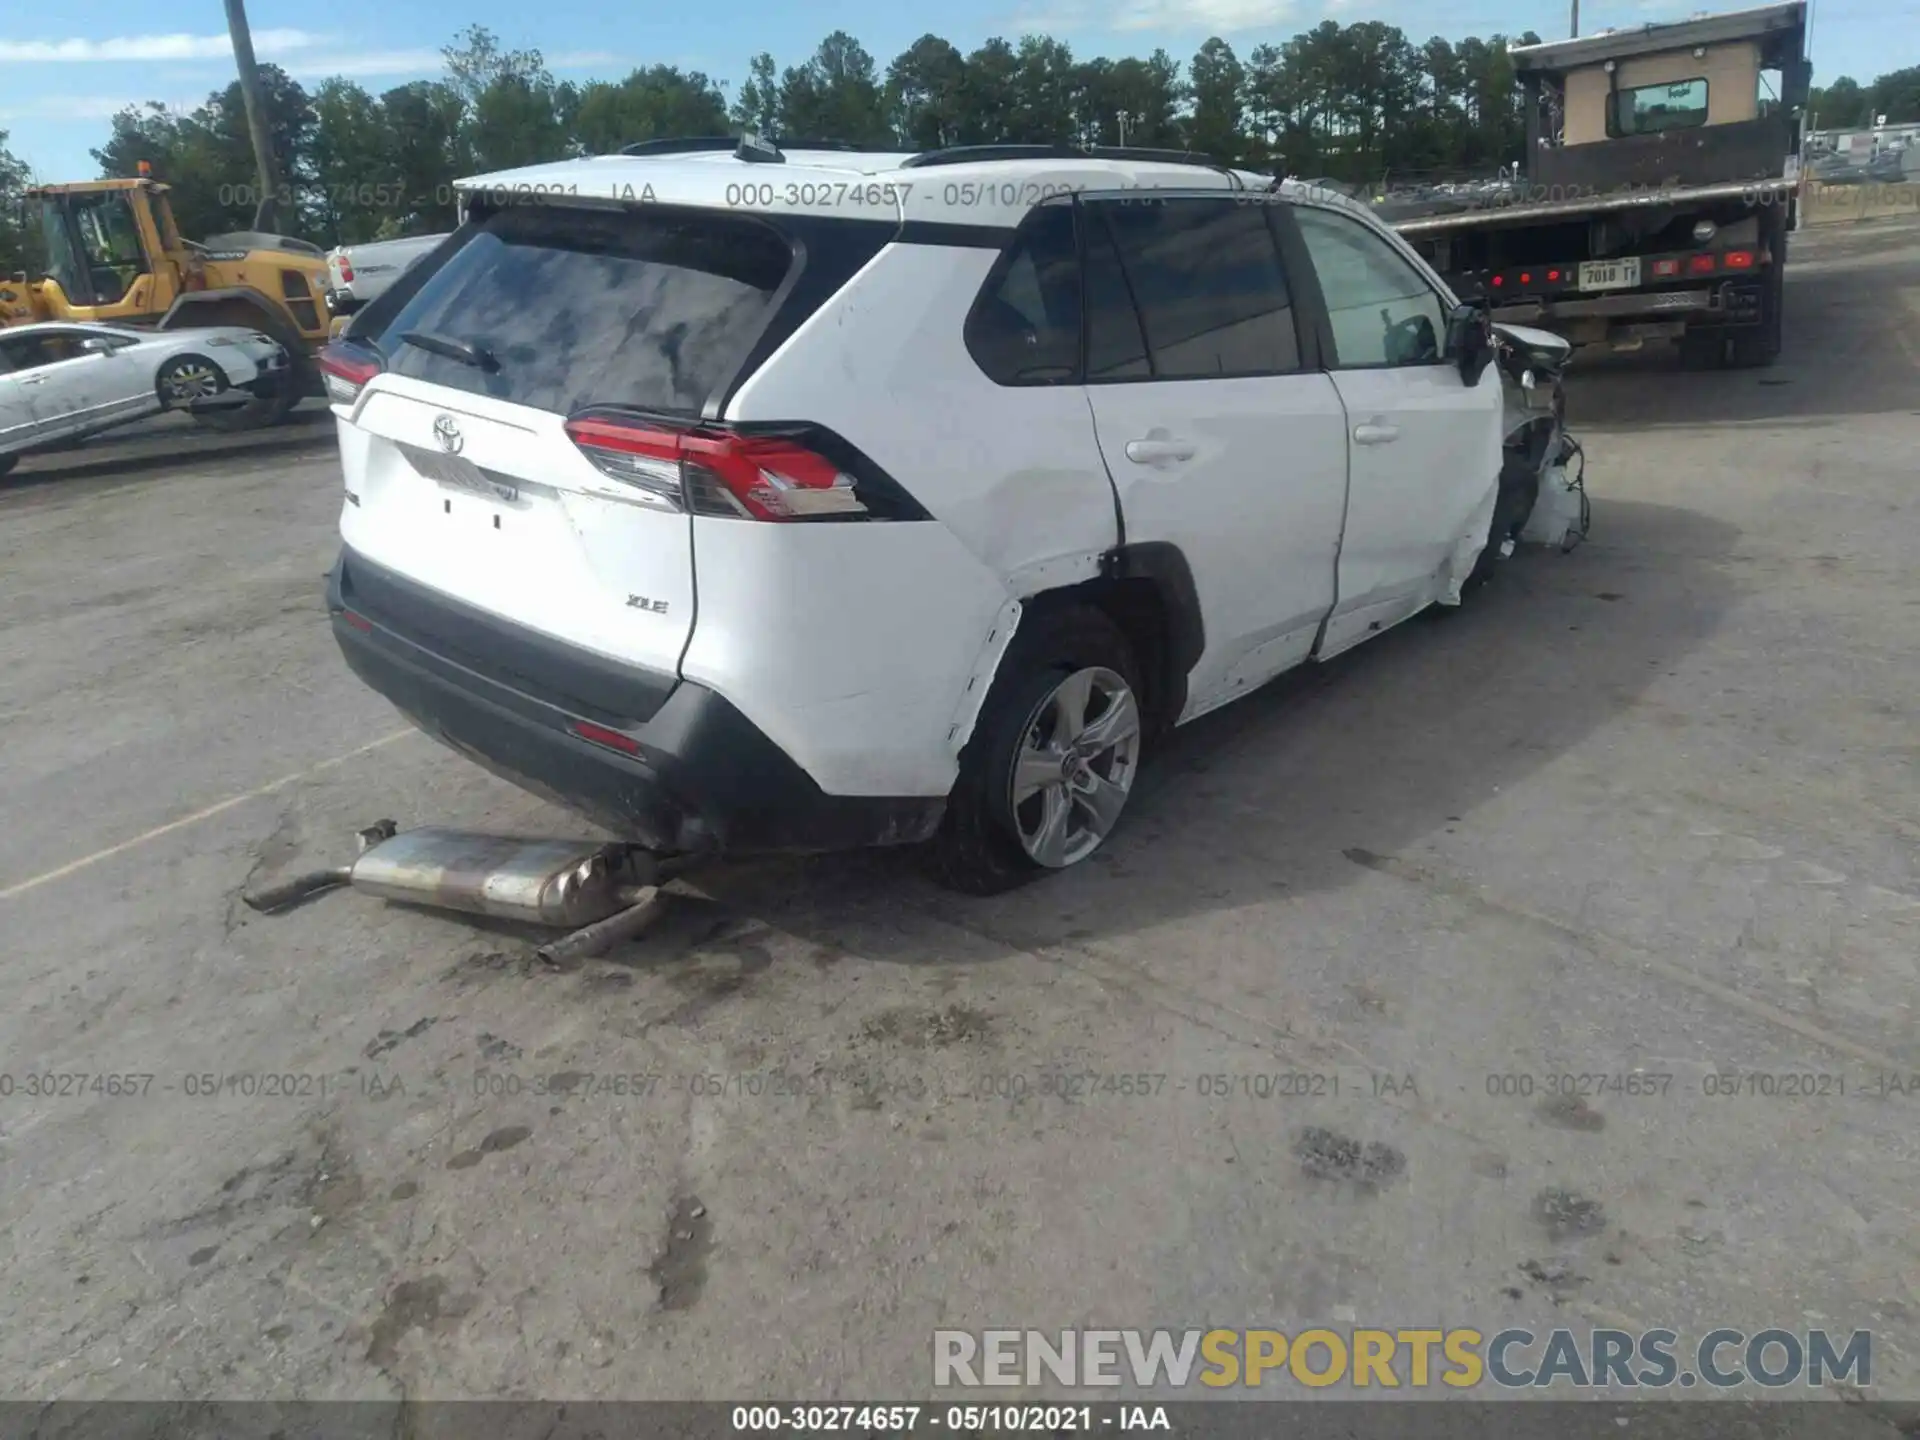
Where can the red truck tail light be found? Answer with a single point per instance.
(1737, 260)
(346, 371)
(717, 472)
(1700, 265)
(1498, 281)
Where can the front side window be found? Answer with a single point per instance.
(1205, 277)
(1025, 328)
(1649, 109)
(1382, 310)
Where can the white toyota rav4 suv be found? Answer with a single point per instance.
(744, 501)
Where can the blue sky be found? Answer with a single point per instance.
(65, 69)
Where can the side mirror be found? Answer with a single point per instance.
(1470, 340)
(97, 345)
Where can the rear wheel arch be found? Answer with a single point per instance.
(1147, 590)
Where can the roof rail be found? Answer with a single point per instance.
(697, 144)
(968, 154)
(683, 145)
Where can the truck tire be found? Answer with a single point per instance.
(258, 413)
(274, 404)
(1703, 348)
(1751, 349)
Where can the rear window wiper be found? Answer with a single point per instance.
(467, 352)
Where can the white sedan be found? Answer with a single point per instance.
(59, 382)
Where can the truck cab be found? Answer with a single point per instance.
(1658, 189)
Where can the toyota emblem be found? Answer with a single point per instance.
(447, 435)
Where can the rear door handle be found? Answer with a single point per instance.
(33, 379)
(1375, 434)
(1160, 448)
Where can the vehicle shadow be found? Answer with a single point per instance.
(167, 442)
(1371, 754)
(1845, 352)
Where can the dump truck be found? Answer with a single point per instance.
(114, 255)
(1656, 195)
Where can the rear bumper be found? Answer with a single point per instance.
(701, 777)
(1725, 304)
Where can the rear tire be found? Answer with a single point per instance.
(1036, 791)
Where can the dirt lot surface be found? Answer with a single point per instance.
(1645, 809)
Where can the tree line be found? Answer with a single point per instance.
(1360, 103)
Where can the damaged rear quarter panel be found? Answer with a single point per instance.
(1015, 512)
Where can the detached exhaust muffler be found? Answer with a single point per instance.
(601, 892)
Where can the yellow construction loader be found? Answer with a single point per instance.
(113, 254)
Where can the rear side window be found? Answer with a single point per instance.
(1025, 327)
(565, 307)
(1205, 276)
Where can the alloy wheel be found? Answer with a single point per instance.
(1075, 767)
(193, 381)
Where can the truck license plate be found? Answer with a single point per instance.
(1610, 274)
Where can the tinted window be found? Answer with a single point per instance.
(580, 306)
(1206, 276)
(1383, 310)
(1025, 328)
(1116, 348)
(26, 352)
(1651, 108)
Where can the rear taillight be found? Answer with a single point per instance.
(717, 472)
(1700, 265)
(346, 271)
(345, 372)
(1737, 260)
(1665, 269)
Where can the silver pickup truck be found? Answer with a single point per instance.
(357, 273)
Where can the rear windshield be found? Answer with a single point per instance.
(567, 307)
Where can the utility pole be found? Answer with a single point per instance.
(1575, 31)
(265, 215)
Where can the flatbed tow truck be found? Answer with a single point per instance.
(1658, 190)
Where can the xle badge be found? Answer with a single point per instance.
(641, 602)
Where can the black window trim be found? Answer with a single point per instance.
(1305, 339)
(997, 273)
(1323, 317)
(1311, 334)
(1615, 94)
(814, 273)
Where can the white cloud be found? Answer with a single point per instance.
(83, 107)
(423, 62)
(267, 44)
(1216, 17)
(368, 62)
(1221, 17)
